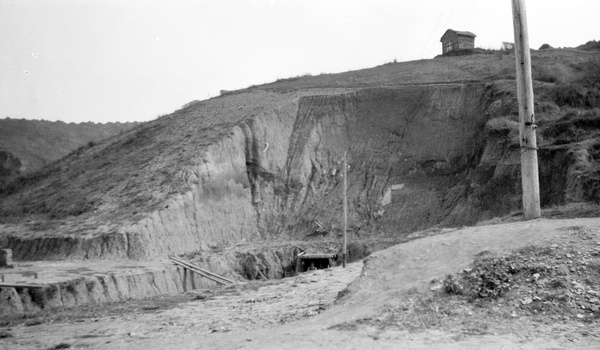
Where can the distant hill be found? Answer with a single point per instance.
(591, 45)
(29, 145)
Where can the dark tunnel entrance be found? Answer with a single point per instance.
(306, 262)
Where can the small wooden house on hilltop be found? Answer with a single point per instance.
(455, 40)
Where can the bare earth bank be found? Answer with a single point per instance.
(302, 312)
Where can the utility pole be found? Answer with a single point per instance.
(529, 161)
(344, 248)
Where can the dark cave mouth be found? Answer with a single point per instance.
(309, 262)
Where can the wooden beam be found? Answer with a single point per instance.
(20, 285)
(529, 160)
(204, 273)
(199, 270)
(185, 267)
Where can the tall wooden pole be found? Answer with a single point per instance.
(529, 161)
(344, 250)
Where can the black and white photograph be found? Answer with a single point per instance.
(299, 174)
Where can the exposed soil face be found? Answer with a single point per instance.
(271, 174)
(429, 143)
(391, 303)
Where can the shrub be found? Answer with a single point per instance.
(584, 92)
(591, 79)
(574, 126)
(490, 278)
(452, 285)
(573, 95)
(502, 125)
(544, 74)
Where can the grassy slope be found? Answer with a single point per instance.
(135, 171)
(443, 69)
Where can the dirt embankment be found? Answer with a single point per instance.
(265, 163)
(277, 172)
(418, 156)
(391, 302)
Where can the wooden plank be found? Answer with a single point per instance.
(192, 269)
(317, 256)
(204, 271)
(200, 271)
(19, 285)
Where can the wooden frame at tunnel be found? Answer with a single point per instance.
(304, 262)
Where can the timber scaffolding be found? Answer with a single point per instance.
(204, 273)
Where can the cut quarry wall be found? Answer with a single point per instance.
(418, 156)
(414, 139)
(277, 172)
(265, 162)
(223, 203)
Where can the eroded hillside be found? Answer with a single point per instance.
(429, 142)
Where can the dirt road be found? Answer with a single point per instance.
(300, 313)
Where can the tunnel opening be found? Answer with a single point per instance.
(308, 262)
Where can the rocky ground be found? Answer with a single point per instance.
(529, 285)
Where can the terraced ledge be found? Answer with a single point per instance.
(35, 286)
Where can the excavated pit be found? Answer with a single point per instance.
(30, 287)
(36, 286)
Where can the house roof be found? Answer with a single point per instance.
(458, 32)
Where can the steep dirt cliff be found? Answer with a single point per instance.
(404, 146)
(266, 163)
(276, 172)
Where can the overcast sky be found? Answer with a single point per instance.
(133, 60)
